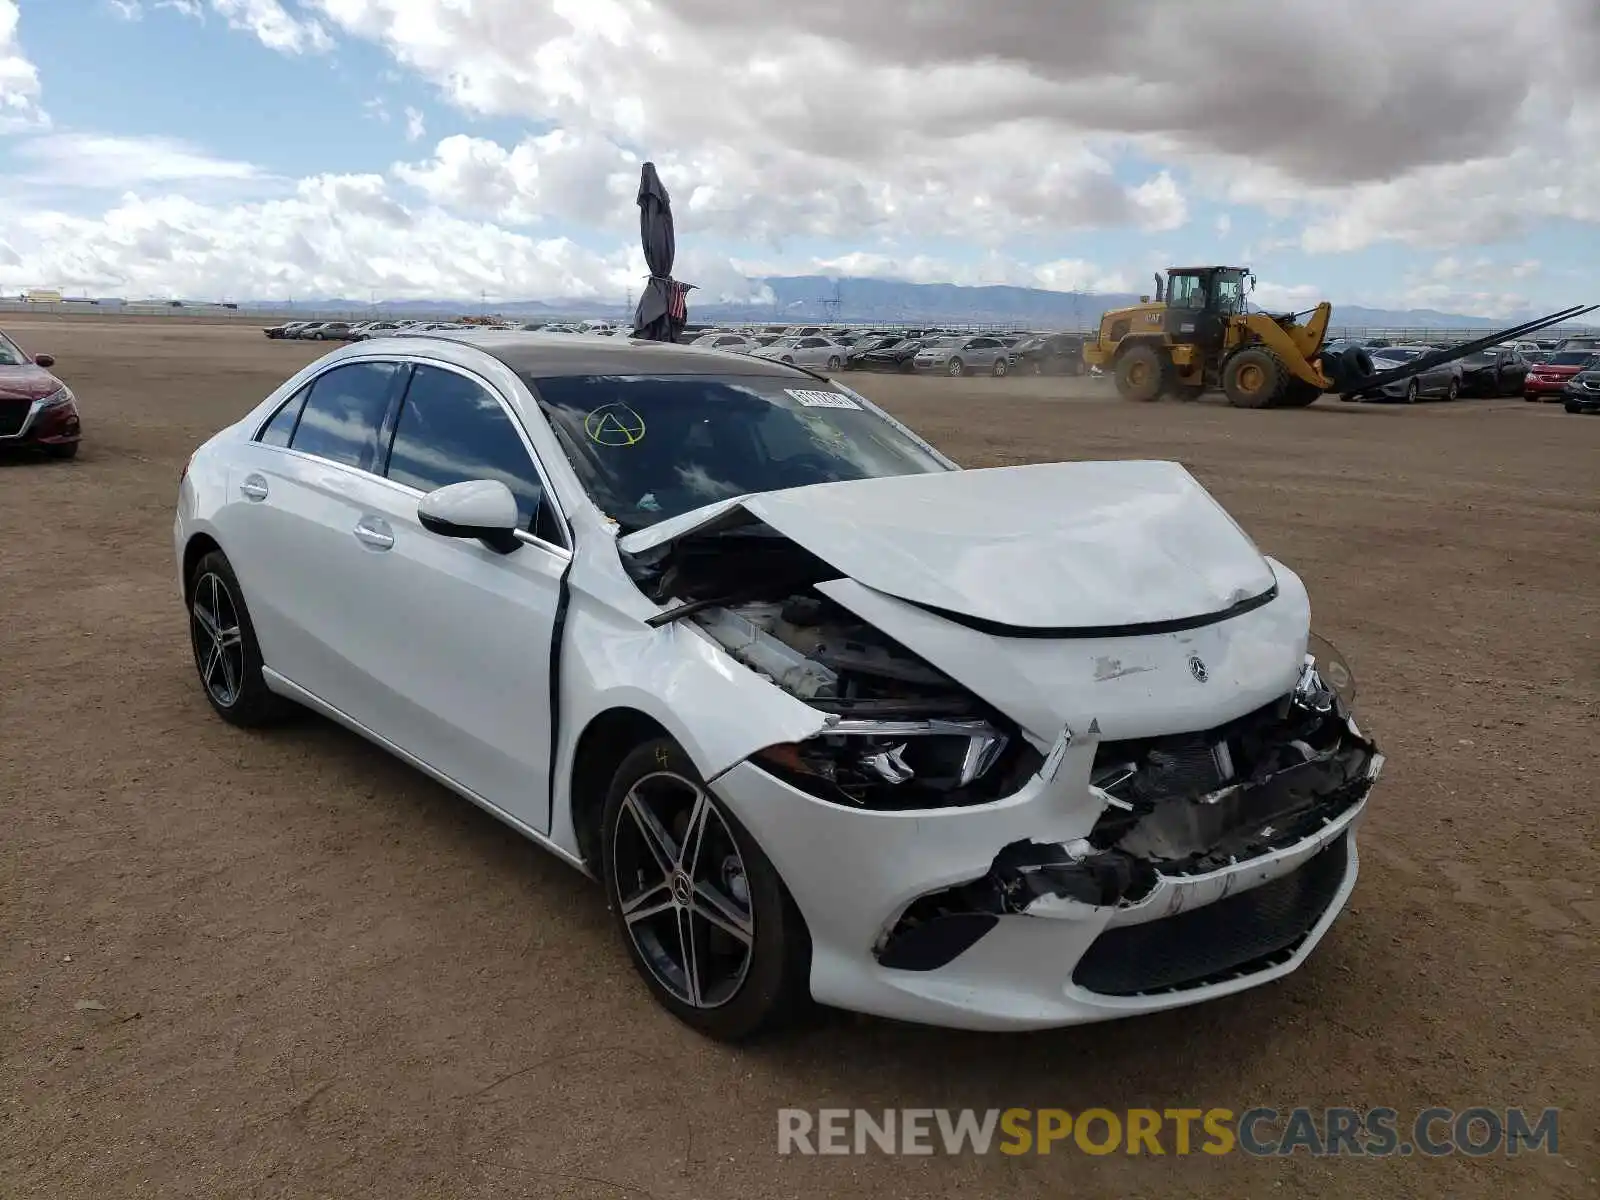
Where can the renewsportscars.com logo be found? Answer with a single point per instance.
(1258, 1132)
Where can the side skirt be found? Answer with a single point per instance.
(292, 690)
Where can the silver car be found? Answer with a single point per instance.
(1443, 380)
(732, 343)
(815, 352)
(963, 354)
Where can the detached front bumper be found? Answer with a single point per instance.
(1036, 928)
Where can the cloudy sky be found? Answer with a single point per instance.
(1438, 153)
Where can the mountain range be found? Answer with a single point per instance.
(816, 298)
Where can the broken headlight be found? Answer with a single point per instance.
(902, 764)
(1325, 675)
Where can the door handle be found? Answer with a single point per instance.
(254, 487)
(375, 533)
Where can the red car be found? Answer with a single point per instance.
(37, 410)
(1548, 379)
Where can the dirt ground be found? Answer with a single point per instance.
(287, 965)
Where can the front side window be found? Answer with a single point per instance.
(450, 430)
(344, 414)
(11, 354)
(651, 447)
(1230, 292)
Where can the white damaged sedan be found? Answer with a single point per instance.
(833, 719)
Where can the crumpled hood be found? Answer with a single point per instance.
(27, 382)
(1055, 546)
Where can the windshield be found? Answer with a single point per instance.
(1394, 354)
(651, 447)
(787, 343)
(10, 354)
(1571, 358)
(939, 343)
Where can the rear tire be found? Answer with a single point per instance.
(750, 968)
(1142, 373)
(1255, 378)
(226, 653)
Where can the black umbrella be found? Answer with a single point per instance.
(662, 310)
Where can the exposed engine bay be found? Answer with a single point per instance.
(905, 734)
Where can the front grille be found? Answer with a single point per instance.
(13, 413)
(1236, 936)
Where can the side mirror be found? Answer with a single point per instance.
(44, 360)
(483, 509)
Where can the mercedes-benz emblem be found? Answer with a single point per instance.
(1197, 668)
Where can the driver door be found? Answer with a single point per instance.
(463, 681)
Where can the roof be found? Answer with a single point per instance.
(552, 355)
(1212, 267)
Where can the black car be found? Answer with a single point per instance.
(867, 345)
(1054, 354)
(1493, 373)
(896, 356)
(1582, 393)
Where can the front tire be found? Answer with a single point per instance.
(704, 916)
(1453, 392)
(62, 450)
(1413, 391)
(833, 363)
(957, 368)
(226, 653)
(1255, 378)
(1000, 368)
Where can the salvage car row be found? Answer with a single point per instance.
(1535, 374)
(940, 352)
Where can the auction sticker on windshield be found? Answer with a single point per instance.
(823, 399)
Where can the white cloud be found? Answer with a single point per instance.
(128, 10)
(19, 78)
(272, 23)
(86, 160)
(416, 127)
(957, 119)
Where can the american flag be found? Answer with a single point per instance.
(678, 300)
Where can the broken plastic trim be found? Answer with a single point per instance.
(1262, 815)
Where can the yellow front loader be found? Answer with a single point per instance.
(1198, 335)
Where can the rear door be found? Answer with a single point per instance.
(290, 529)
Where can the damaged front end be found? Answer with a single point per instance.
(1182, 821)
(895, 732)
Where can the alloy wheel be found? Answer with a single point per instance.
(218, 642)
(683, 891)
